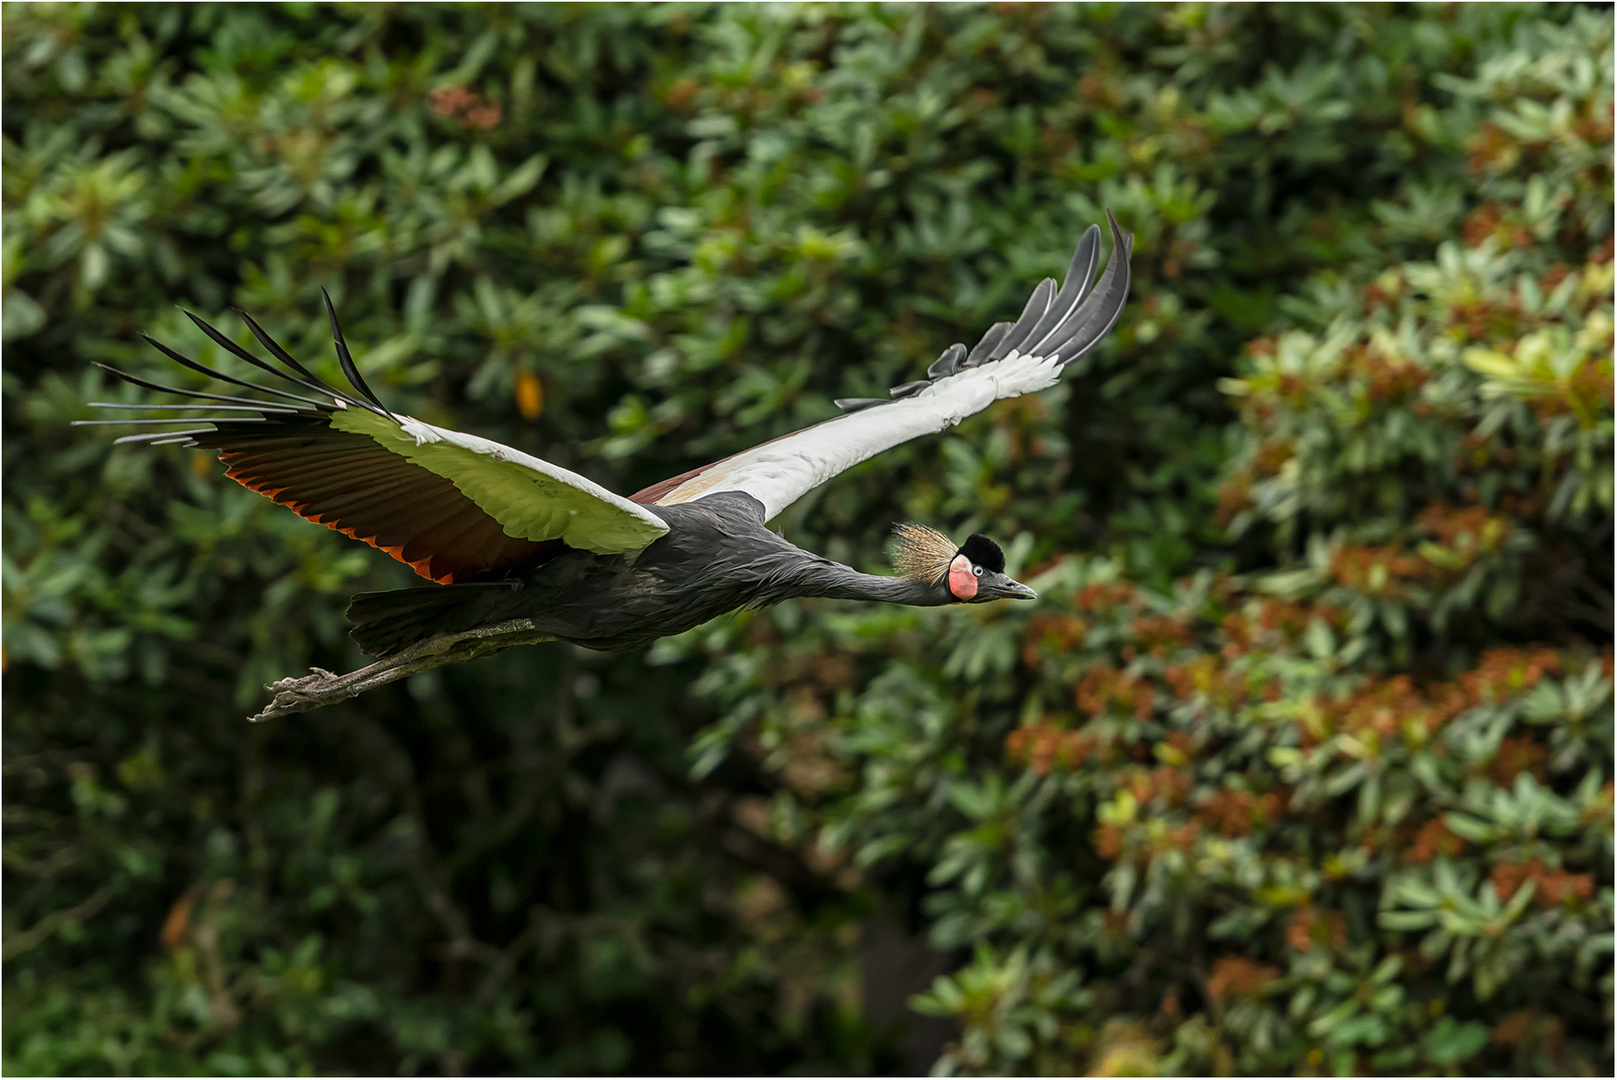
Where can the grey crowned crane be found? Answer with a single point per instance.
(522, 551)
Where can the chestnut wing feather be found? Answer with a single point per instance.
(354, 485)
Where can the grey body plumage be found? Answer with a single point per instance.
(718, 556)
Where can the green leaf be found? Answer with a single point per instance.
(20, 315)
(1450, 1042)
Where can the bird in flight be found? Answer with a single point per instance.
(522, 551)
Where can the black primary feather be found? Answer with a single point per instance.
(1065, 323)
(160, 388)
(1037, 305)
(279, 353)
(854, 404)
(1074, 289)
(309, 383)
(346, 360)
(948, 363)
(986, 345)
(984, 553)
(292, 412)
(222, 377)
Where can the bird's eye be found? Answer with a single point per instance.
(977, 570)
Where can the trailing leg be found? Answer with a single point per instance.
(295, 695)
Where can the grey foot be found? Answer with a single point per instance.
(321, 687)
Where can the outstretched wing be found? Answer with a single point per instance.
(453, 506)
(1012, 359)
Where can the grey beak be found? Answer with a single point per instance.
(1015, 590)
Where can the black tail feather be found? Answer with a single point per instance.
(385, 622)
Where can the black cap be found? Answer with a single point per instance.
(984, 552)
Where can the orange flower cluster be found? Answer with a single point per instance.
(1555, 887)
(1292, 618)
(1295, 390)
(679, 96)
(1234, 496)
(1180, 837)
(1484, 321)
(1592, 127)
(1599, 810)
(1158, 634)
(1236, 813)
(1182, 743)
(1052, 634)
(1271, 454)
(1277, 621)
(1238, 634)
(1104, 689)
(1222, 589)
(1517, 756)
(530, 395)
(1043, 746)
(1433, 839)
(1209, 677)
(1105, 595)
(1384, 706)
(1374, 569)
(466, 106)
(1466, 530)
(1376, 295)
(1389, 380)
(1309, 928)
(1491, 144)
(1486, 220)
(1380, 570)
(1389, 706)
(1533, 1029)
(1170, 785)
(1238, 977)
(1110, 840)
(1094, 90)
(1509, 673)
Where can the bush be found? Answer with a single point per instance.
(1304, 764)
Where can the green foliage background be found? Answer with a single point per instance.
(1302, 763)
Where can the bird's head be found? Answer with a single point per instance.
(973, 573)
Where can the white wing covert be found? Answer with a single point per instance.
(1012, 359)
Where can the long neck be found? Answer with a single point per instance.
(832, 580)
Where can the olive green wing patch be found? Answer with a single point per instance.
(530, 498)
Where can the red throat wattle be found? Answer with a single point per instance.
(962, 582)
